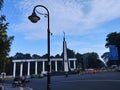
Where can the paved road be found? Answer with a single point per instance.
(98, 81)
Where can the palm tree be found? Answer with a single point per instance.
(1, 3)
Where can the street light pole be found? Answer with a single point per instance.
(34, 18)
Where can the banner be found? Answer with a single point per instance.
(113, 52)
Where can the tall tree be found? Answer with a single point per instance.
(90, 60)
(5, 43)
(114, 39)
(79, 61)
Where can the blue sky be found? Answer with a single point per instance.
(85, 22)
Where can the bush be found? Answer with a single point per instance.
(36, 76)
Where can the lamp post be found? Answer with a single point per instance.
(34, 18)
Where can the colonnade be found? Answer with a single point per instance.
(36, 65)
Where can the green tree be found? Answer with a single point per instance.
(57, 56)
(45, 56)
(22, 56)
(18, 55)
(114, 39)
(70, 53)
(27, 56)
(90, 60)
(5, 43)
(35, 56)
(79, 61)
(100, 63)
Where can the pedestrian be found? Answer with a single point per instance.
(66, 74)
(23, 79)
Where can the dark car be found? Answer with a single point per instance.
(17, 81)
(20, 81)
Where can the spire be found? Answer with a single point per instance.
(65, 58)
(64, 36)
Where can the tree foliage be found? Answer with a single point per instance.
(57, 56)
(35, 56)
(5, 42)
(90, 60)
(113, 39)
(80, 63)
(70, 53)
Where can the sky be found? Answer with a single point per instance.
(86, 24)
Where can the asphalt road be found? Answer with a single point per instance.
(98, 81)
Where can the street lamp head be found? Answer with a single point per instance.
(34, 18)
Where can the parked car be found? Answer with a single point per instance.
(17, 81)
(20, 81)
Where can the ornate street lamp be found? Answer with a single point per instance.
(34, 18)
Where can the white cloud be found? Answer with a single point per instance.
(73, 17)
(104, 10)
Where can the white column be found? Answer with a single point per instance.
(21, 69)
(35, 67)
(14, 69)
(28, 71)
(69, 64)
(56, 66)
(43, 66)
(74, 64)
